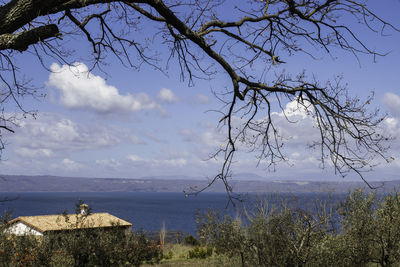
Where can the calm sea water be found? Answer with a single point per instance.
(147, 211)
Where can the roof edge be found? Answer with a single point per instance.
(19, 219)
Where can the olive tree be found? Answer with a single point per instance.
(206, 37)
(387, 233)
(272, 234)
(370, 230)
(358, 223)
(224, 233)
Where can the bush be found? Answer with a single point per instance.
(200, 253)
(191, 241)
(105, 248)
(168, 255)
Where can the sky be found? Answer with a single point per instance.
(126, 123)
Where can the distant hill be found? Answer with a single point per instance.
(22, 183)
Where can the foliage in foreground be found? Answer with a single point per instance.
(363, 230)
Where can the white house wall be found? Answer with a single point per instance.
(20, 228)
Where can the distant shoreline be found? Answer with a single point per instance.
(23, 183)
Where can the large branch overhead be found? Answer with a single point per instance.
(22, 40)
(206, 37)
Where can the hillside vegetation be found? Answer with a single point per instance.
(360, 231)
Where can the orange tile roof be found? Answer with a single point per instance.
(45, 223)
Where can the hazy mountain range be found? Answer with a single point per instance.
(241, 183)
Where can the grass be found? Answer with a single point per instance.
(177, 255)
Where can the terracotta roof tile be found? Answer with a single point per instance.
(45, 223)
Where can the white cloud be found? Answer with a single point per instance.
(296, 134)
(175, 162)
(295, 155)
(296, 110)
(295, 128)
(34, 153)
(167, 96)
(50, 132)
(391, 127)
(211, 138)
(392, 101)
(71, 165)
(137, 160)
(81, 89)
(109, 163)
(134, 158)
(61, 133)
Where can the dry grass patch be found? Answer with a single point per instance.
(177, 255)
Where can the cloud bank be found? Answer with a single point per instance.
(51, 132)
(167, 96)
(80, 89)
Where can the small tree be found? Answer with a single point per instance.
(190, 240)
(358, 222)
(387, 231)
(274, 235)
(223, 233)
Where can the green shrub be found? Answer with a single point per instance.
(168, 255)
(200, 252)
(191, 241)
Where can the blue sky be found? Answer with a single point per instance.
(135, 123)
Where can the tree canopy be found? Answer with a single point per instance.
(242, 40)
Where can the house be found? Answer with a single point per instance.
(47, 224)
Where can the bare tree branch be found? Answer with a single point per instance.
(204, 42)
